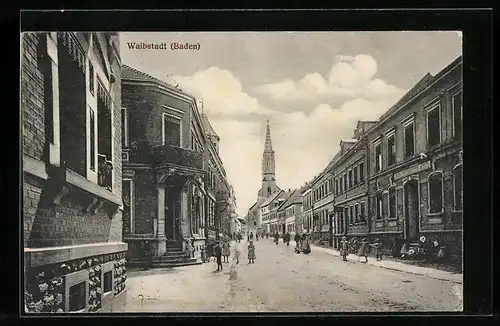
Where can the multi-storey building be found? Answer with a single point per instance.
(289, 212)
(172, 171)
(415, 155)
(72, 174)
(350, 186)
(306, 209)
(216, 185)
(322, 203)
(269, 210)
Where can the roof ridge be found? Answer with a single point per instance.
(148, 76)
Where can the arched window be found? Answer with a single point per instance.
(436, 192)
(268, 191)
(457, 188)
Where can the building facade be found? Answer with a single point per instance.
(269, 211)
(307, 209)
(415, 153)
(290, 213)
(74, 256)
(350, 188)
(171, 169)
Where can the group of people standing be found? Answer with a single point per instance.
(363, 250)
(222, 252)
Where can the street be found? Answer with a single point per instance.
(282, 281)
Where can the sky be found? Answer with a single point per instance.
(313, 87)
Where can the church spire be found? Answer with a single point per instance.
(268, 145)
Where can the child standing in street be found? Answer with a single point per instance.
(218, 255)
(363, 250)
(251, 252)
(377, 246)
(343, 248)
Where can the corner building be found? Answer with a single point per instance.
(74, 257)
(176, 188)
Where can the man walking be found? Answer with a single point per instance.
(287, 239)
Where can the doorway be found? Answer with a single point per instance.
(284, 229)
(172, 214)
(411, 203)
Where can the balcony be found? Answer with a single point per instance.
(177, 156)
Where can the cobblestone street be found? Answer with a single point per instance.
(282, 281)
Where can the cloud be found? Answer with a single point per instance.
(349, 77)
(221, 92)
(303, 142)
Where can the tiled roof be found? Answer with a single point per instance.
(208, 126)
(270, 199)
(134, 74)
(294, 197)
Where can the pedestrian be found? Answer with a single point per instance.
(188, 250)
(257, 236)
(306, 246)
(218, 256)
(225, 251)
(377, 246)
(251, 252)
(394, 249)
(363, 250)
(251, 236)
(287, 239)
(276, 238)
(343, 248)
(237, 252)
(239, 237)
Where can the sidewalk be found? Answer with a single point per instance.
(397, 266)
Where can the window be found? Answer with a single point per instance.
(345, 181)
(385, 202)
(346, 214)
(92, 139)
(171, 130)
(457, 188)
(91, 78)
(350, 178)
(355, 175)
(77, 294)
(125, 131)
(336, 186)
(433, 127)
(391, 150)
(379, 206)
(392, 202)
(362, 217)
(457, 115)
(435, 192)
(409, 140)
(356, 213)
(361, 172)
(378, 157)
(341, 183)
(108, 281)
(351, 215)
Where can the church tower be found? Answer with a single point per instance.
(269, 186)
